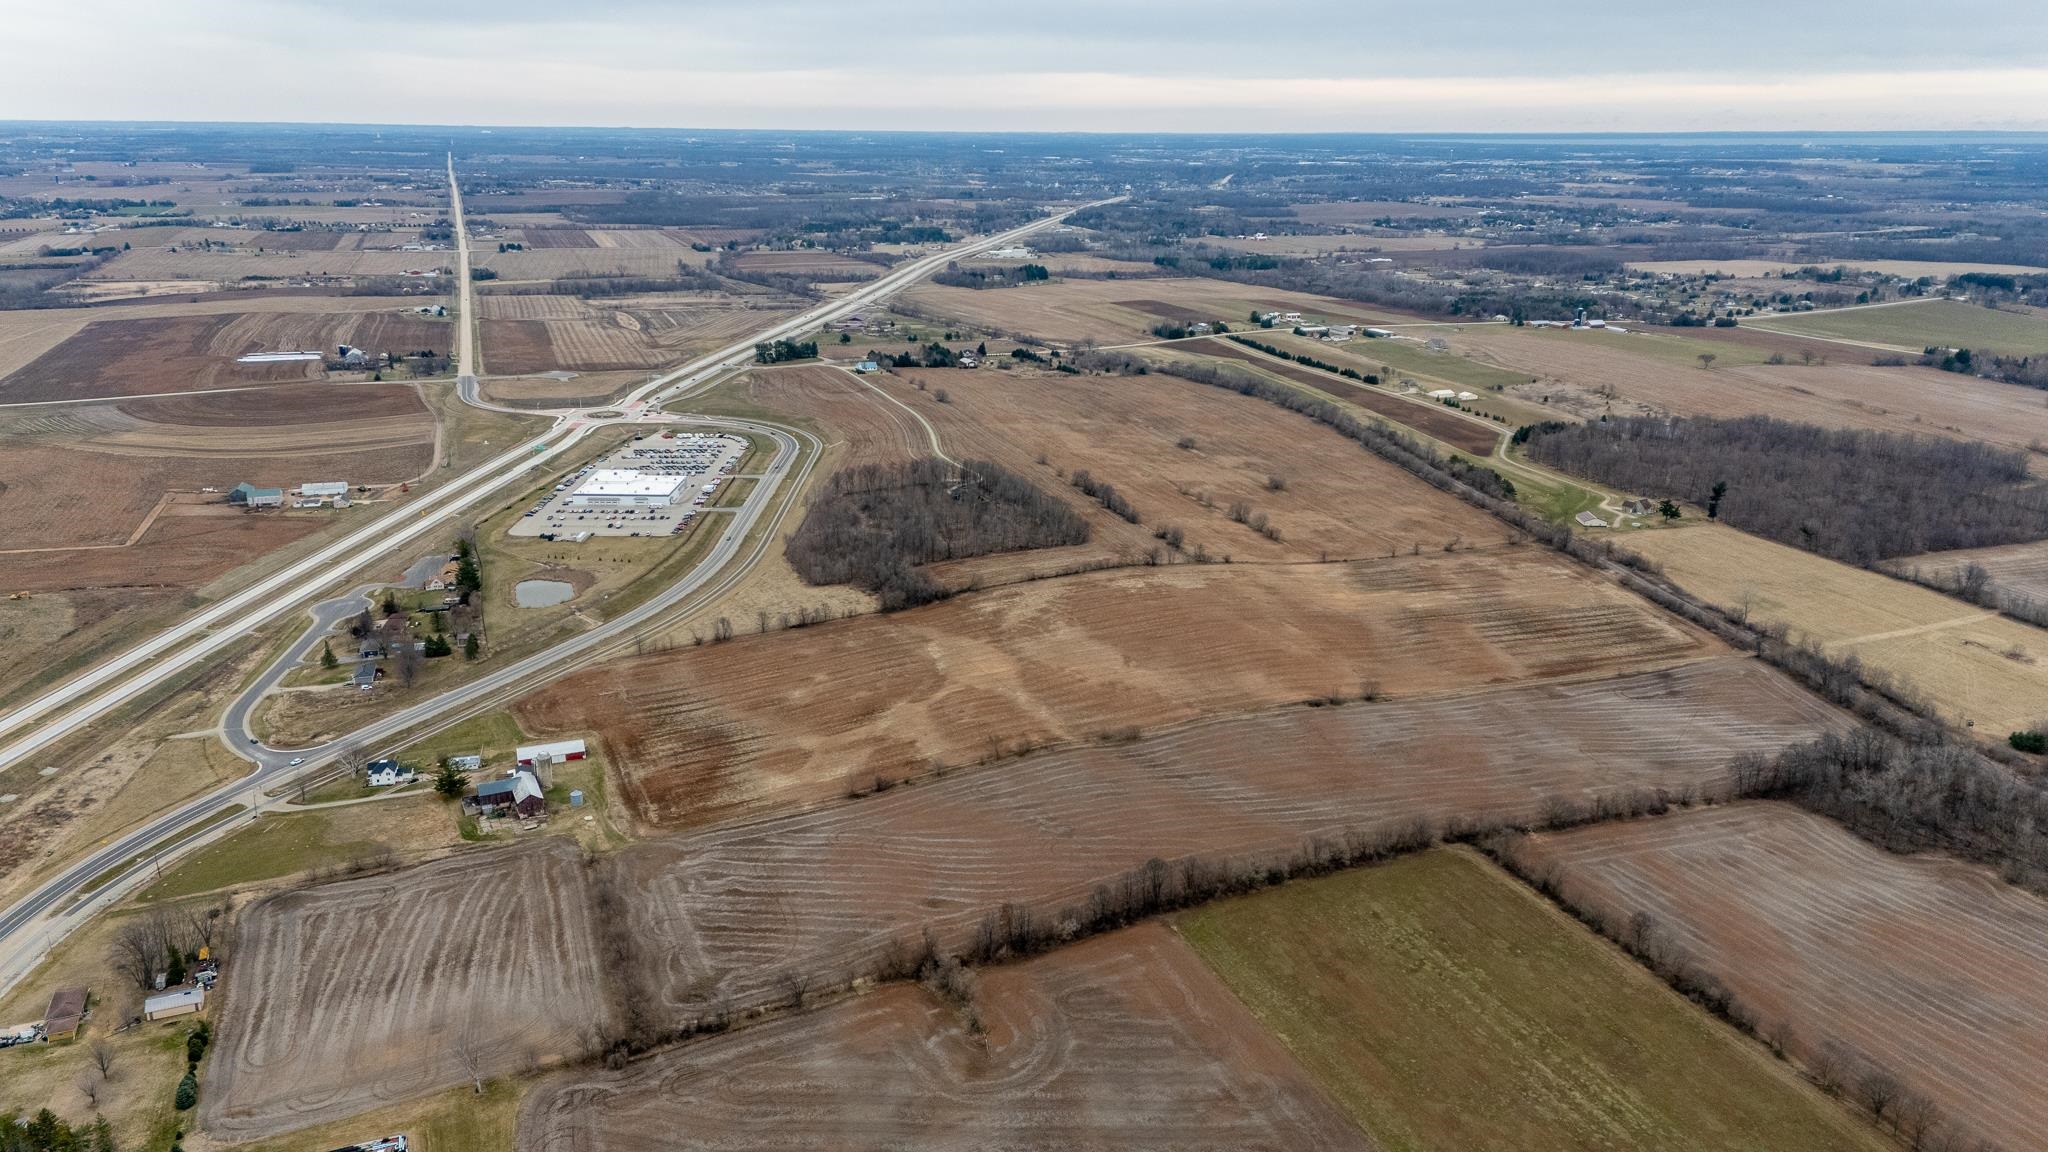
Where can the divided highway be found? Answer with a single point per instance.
(34, 923)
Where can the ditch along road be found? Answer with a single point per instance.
(37, 921)
(99, 691)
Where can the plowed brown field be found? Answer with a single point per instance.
(333, 986)
(347, 996)
(704, 733)
(1588, 373)
(1431, 420)
(2016, 567)
(89, 474)
(859, 426)
(1339, 502)
(139, 357)
(1125, 1041)
(733, 910)
(1931, 969)
(1100, 310)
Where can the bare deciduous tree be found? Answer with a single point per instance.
(103, 1058)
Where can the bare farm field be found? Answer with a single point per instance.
(1335, 500)
(1757, 269)
(229, 268)
(1911, 327)
(1593, 373)
(350, 995)
(811, 262)
(525, 335)
(859, 426)
(755, 725)
(90, 474)
(1975, 665)
(734, 911)
(2019, 568)
(1077, 311)
(1444, 1005)
(1929, 969)
(27, 334)
(1122, 1041)
(596, 260)
(380, 977)
(1432, 420)
(145, 354)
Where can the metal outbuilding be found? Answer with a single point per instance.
(182, 1002)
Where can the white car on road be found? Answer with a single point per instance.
(296, 761)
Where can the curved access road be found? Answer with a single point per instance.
(100, 690)
(56, 908)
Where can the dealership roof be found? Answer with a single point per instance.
(628, 482)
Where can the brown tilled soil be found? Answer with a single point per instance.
(349, 994)
(1339, 501)
(345, 996)
(144, 356)
(90, 474)
(1589, 376)
(269, 407)
(2019, 568)
(1431, 420)
(1930, 969)
(557, 238)
(768, 722)
(734, 910)
(1125, 1041)
(858, 426)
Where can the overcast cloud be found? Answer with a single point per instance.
(1193, 65)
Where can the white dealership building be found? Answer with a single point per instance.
(627, 488)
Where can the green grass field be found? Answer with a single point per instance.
(1445, 1006)
(1943, 323)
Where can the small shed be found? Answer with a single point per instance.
(179, 1002)
(67, 1009)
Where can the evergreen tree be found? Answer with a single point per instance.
(469, 647)
(449, 782)
(327, 659)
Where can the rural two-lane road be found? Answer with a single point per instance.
(27, 928)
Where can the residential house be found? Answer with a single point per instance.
(385, 773)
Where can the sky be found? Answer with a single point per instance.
(1047, 65)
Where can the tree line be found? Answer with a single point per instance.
(875, 525)
(1852, 495)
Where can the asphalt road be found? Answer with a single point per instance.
(25, 930)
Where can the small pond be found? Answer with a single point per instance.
(542, 593)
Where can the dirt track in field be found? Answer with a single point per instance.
(1125, 1041)
(765, 723)
(1932, 969)
(344, 997)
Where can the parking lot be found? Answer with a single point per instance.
(701, 463)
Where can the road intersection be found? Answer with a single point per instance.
(35, 922)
